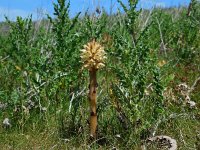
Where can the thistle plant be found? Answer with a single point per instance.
(93, 58)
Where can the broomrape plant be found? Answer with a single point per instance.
(42, 92)
(93, 58)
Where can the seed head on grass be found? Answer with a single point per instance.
(93, 55)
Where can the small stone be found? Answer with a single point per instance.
(44, 109)
(3, 106)
(118, 136)
(66, 140)
(113, 148)
(6, 123)
(191, 104)
(187, 98)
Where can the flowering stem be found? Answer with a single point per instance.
(93, 102)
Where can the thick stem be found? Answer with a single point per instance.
(93, 102)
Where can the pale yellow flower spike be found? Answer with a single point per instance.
(93, 55)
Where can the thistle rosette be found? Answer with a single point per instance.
(93, 56)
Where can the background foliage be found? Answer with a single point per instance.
(43, 89)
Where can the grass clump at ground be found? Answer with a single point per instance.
(149, 86)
